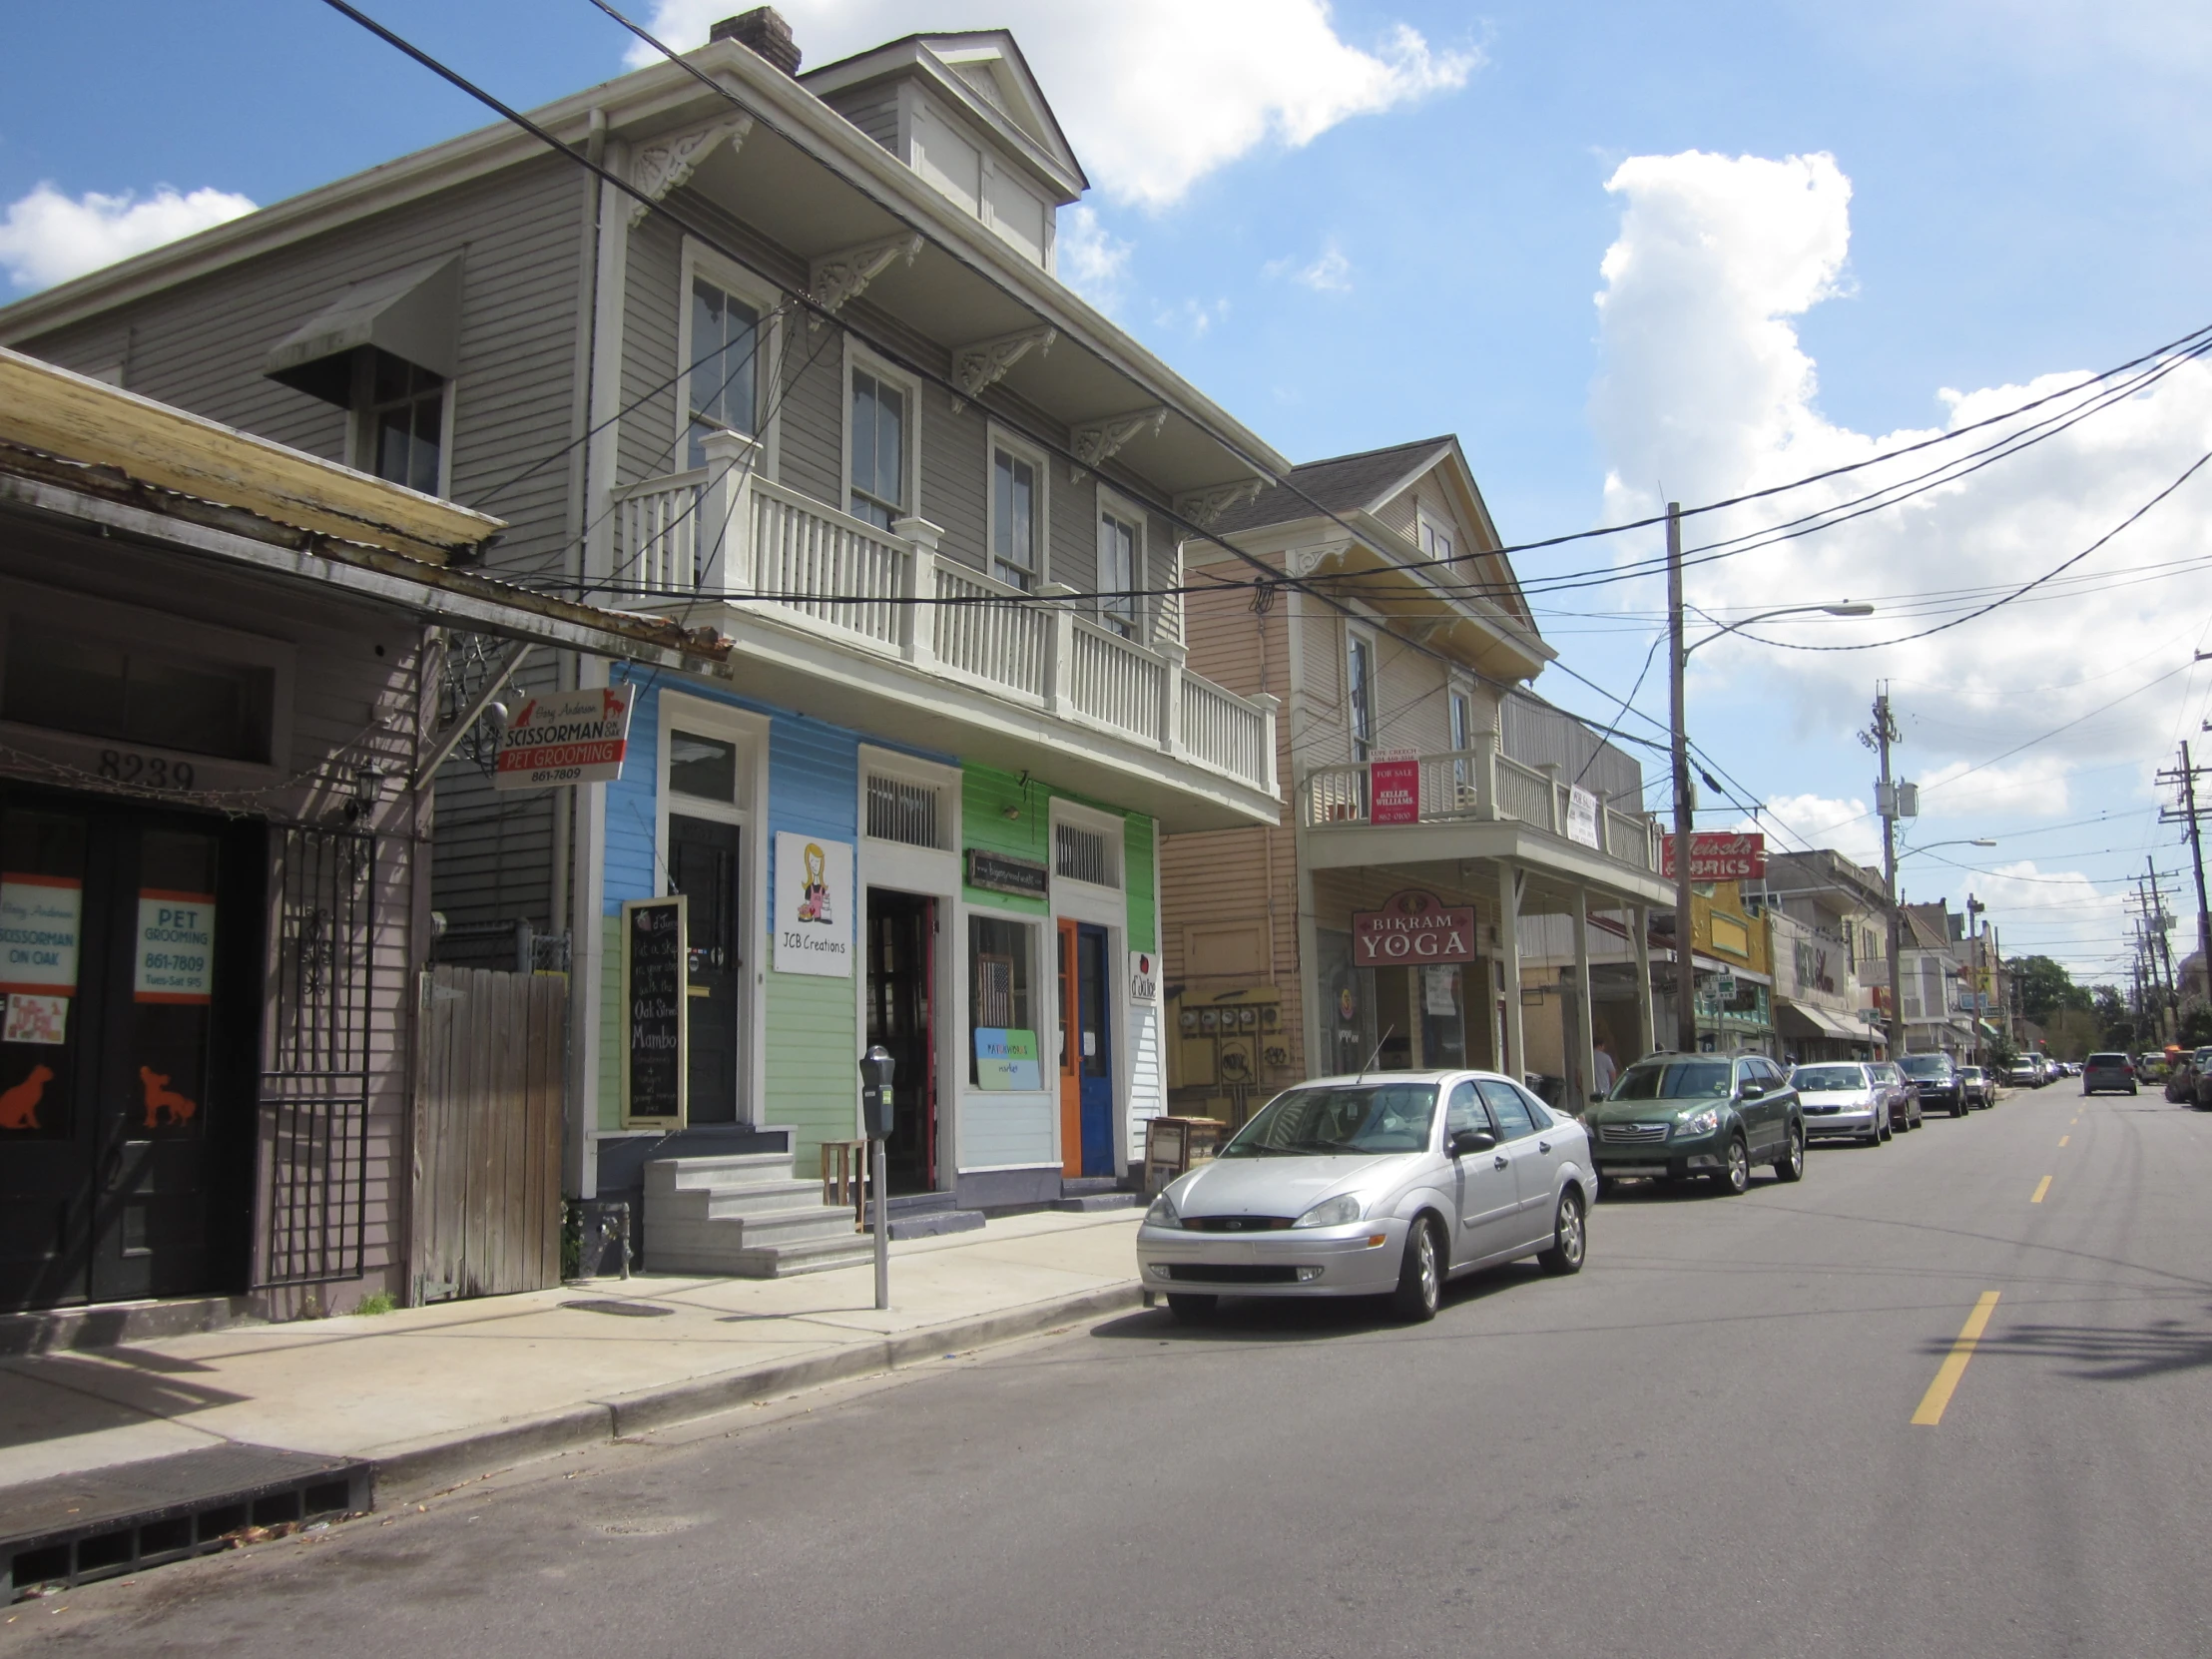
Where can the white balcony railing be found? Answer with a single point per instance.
(719, 532)
(1477, 786)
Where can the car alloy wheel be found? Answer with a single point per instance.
(1421, 1278)
(1569, 1237)
(1736, 1177)
(1791, 1165)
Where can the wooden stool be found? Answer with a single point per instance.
(845, 1178)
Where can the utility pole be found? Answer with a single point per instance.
(1878, 736)
(2186, 813)
(1975, 907)
(2161, 926)
(1685, 802)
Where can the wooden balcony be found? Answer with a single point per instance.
(721, 534)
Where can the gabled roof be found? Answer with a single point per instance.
(984, 73)
(1341, 484)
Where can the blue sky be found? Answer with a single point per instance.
(2026, 196)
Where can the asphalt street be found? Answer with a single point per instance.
(1704, 1444)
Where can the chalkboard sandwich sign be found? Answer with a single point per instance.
(654, 1013)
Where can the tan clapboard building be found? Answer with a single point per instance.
(1367, 592)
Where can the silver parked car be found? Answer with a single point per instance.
(1374, 1185)
(1844, 1100)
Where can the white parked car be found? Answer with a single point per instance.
(1373, 1185)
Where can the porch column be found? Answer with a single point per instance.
(1311, 1020)
(1639, 920)
(726, 513)
(1485, 773)
(1171, 698)
(1059, 668)
(917, 629)
(1584, 1058)
(1508, 940)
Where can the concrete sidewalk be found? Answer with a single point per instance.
(437, 1394)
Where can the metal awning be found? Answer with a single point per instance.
(415, 314)
(1824, 1023)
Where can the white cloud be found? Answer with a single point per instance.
(47, 238)
(1195, 317)
(1707, 393)
(2031, 787)
(1819, 821)
(2058, 913)
(1328, 273)
(1154, 93)
(1091, 259)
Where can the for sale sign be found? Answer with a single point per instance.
(577, 737)
(1719, 855)
(1393, 789)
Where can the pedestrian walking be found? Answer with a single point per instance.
(1602, 1068)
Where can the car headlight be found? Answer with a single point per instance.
(1698, 1123)
(1341, 1211)
(1163, 1213)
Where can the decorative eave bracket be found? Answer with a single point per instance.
(835, 277)
(1205, 507)
(983, 364)
(660, 167)
(1096, 444)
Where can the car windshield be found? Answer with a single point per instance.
(1673, 1080)
(1374, 1118)
(1925, 1065)
(1828, 1079)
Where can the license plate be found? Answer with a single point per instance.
(1617, 1171)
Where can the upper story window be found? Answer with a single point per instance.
(879, 415)
(1435, 539)
(1360, 696)
(1463, 720)
(1118, 540)
(402, 408)
(1016, 525)
(103, 688)
(720, 378)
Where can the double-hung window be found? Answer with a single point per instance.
(1118, 541)
(1360, 696)
(1435, 539)
(1017, 523)
(403, 420)
(1462, 737)
(879, 415)
(722, 375)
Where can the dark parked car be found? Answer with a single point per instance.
(1938, 1081)
(1713, 1115)
(1904, 1097)
(2115, 1072)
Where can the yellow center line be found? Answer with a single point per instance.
(2064, 1139)
(1939, 1393)
(2042, 1187)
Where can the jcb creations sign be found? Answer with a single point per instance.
(577, 737)
(1719, 855)
(1413, 926)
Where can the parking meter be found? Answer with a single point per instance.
(877, 1067)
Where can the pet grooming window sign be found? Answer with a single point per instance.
(39, 924)
(176, 948)
(813, 924)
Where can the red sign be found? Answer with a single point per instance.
(1393, 792)
(1719, 855)
(1413, 928)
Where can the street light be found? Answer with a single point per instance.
(1678, 654)
(1977, 841)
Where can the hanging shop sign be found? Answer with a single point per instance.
(39, 916)
(176, 948)
(1583, 816)
(1413, 927)
(1006, 1059)
(1719, 855)
(1004, 872)
(655, 1011)
(814, 906)
(1393, 789)
(1144, 977)
(577, 737)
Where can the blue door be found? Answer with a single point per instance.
(1095, 1051)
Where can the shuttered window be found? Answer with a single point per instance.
(1084, 855)
(903, 811)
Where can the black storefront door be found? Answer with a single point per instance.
(126, 942)
(901, 969)
(703, 865)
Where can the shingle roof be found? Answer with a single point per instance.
(1340, 484)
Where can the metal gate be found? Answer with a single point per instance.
(314, 1143)
(493, 1061)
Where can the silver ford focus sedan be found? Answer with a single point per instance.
(1374, 1185)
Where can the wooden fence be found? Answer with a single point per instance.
(488, 1132)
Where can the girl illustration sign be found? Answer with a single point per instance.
(814, 905)
(814, 897)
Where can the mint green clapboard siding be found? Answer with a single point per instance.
(986, 794)
(813, 1071)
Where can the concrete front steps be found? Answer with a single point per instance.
(743, 1216)
(927, 1216)
(1082, 1195)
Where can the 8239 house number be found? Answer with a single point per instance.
(148, 771)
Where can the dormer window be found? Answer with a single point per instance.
(1435, 539)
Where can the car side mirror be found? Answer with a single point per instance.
(1471, 1140)
(1753, 1089)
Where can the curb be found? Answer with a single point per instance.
(415, 1470)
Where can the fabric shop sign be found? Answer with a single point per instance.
(578, 737)
(1718, 855)
(1394, 790)
(1413, 927)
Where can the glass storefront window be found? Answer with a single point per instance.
(1002, 1042)
(702, 767)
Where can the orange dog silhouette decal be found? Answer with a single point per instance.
(19, 1105)
(160, 1098)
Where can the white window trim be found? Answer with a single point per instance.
(762, 297)
(889, 762)
(858, 356)
(362, 458)
(1086, 901)
(1147, 612)
(1444, 522)
(750, 731)
(997, 439)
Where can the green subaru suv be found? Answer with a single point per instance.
(1674, 1116)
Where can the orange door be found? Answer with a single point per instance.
(1071, 1062)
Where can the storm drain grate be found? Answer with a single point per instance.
(76, 1527)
